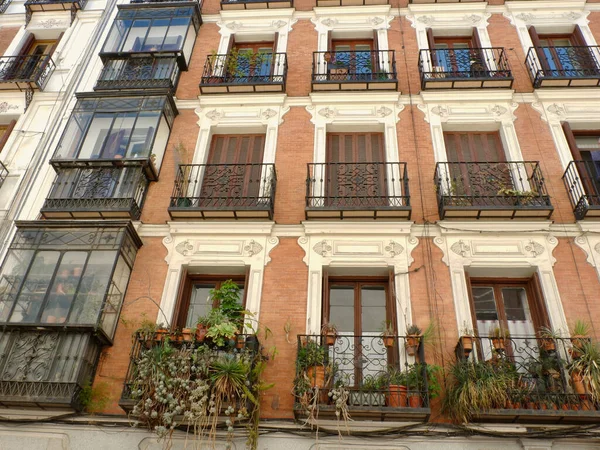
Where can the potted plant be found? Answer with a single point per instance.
(466, 342)
(187, 334)
(585, 371)
(413, 336)
(202, 328)
(547, 339)
(388, 335)
(329, 330)
(499, 337)
(311, 359)
(146, 332)
(415, 380)
(397, 390)
(580, 332)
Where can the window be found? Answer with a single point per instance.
(359, 307)
(117, 128)
(563, 54)
(194, 296)
(474, 147)
(585, 147)
(71, 277)
(151, 30)
(515, 305)
(5, 131)
(460, 55)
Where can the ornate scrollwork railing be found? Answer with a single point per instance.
(372, 185)
(354, 66)
(491, 185)
(582, 180)
(26, 70)
(139, 73)
(578, 62)
(240, 68)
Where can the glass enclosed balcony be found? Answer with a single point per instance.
(117, 131)
(154, 29)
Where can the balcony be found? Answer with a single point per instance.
(46, 368)
(256, 4)
(139, 73)
(32, 6)
(495, 190)
(564, 66)
(352, 2)
(357, 191)
(582, 180)
(25, 72)
(538, 380)
(383, 381)
(354, 71)
(3, 173)
(224, 191)
(240, 72)
(463, 69)
(187, 346)
(97, 193)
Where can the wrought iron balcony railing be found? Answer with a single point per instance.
(354, 71)
(103, 193)
(387, 376)
(163, 1)
(32, 6)
(25, 72)
(3, 173)
(540, 375)
(139, 73)
(221, 191)
(582, 180)
(256, 4)
(46, 368)
(241, 72)
(492, 190)
(4, 4)
(564, 66)
(357, 190)
(352, 2)
(464, 68)
(142, 343)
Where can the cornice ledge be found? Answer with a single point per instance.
(448, 8)
(323, 98)
(478, 95)
(151, 230)
(241, 100)
(363, 229)
(551, 95)
(257, 14)
(186, 104)
(591, 227)
(288, 230)
(546, 6)
(342, 11)
(498, 227)
(220, 228)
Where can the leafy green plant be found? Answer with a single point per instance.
(228, 297)
(588, 367)
(413, 330)
(222, 333)
(311, 354)
(581, 328)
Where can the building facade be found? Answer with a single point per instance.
(377, 165)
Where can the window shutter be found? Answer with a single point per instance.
(53, 49)
(475, 42)
(537, 304)
(231, 43)
(430, 39)
(27, 44)
(6, 133)
(571, 141)
(275, 42)
(183, 300)
(392, 306)
(471, 304)
(579, 38)
(246, 285)
(330, 42)
(535, 39)
(325, 296)
(375, 40)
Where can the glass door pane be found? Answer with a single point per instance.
(199, 303)
(341, 314)
(518, 316)
(373, 355)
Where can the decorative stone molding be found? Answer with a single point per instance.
(510, 254)
(374, 247)
(203, 247)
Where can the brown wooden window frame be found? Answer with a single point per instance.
(535, 298)
(186, 284)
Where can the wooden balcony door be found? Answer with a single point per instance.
(585, 146)
(358, 307)
(479, 181)
(36, 50)
(355, 172)
(254, 61)
(458, 55)
(352, 59)
(233, 173)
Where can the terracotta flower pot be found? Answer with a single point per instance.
(388, 341)
(412, 342)
(498, 344)
(415, 401)
(240, 341)
(160, 334)
(330, 338)
(466, 342)
(396, 397)
(577, 383)
(316, 374)
(578, 340)
(548, 345)
(187, 334)
(201, 331)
